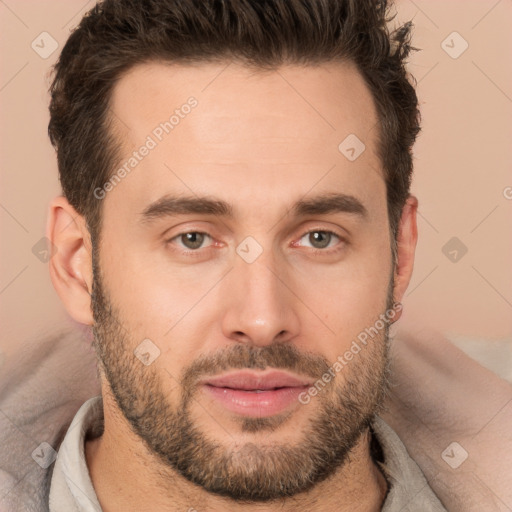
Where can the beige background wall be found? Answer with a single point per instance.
(463, 177)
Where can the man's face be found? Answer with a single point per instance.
(265, 288)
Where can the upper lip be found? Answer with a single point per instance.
(249, 380)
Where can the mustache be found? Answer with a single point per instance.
(279, 356)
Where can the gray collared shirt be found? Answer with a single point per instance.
(72, 490)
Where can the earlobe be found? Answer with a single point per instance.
(406, 247)
(71, 265)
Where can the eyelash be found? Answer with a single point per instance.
(332, 250)
(197, 252)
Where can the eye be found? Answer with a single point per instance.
(320, 239)
(191, 240)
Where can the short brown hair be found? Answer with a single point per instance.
(115, 35)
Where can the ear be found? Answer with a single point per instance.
(406, 246)
(71, 264)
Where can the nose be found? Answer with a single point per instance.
(261, 309)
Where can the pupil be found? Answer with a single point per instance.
(193, 240)
(316, 236)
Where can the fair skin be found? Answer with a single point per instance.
(255, 143)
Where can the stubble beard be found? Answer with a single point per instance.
(251, 472)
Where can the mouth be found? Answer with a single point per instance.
(256, 394)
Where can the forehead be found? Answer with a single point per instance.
(331, 97)
(267, 135)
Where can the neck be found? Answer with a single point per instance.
(126, 476)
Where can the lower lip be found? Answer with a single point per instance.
(256, 404)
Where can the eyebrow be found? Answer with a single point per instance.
(329, 203)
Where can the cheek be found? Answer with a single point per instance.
(172, 307)
(346, 298)
(168, 314)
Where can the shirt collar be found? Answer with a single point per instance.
(72, 489)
